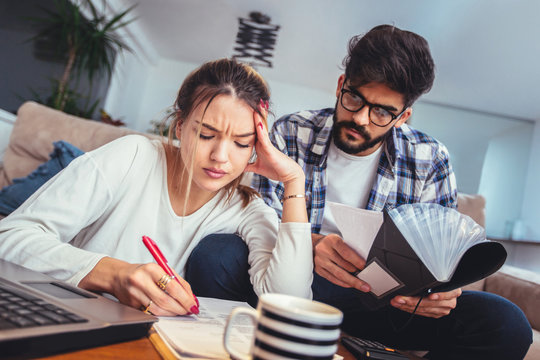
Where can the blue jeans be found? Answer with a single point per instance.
(482, 326)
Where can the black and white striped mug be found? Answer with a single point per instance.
(288, 327)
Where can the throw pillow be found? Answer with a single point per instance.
(12, 196)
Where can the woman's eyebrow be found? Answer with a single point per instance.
(245, 135)
(210, 127)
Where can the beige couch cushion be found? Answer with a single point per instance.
(473, 206)
(521, 286)
(35, 130)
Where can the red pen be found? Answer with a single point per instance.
(162, 261)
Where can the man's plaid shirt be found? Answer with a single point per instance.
(413, 168)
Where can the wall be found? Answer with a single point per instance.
(143, 91)
(289, 98)
(503, 178)
(126, 92)
(28, 74)
(489, 153)
(530, 212)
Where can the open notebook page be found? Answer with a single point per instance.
(202, 336)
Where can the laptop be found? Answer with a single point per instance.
(41, 316)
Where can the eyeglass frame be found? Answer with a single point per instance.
(370, 106)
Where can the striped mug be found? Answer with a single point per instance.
(288, 327)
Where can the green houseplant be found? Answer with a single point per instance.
(88, 44)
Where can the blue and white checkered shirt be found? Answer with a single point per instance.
(413, 168)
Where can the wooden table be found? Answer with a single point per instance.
(136, 349)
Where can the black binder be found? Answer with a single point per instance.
(391, 251)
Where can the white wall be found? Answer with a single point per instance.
(288, 98)
(126, 90)
(490, 156)
(142, 91)
(530, 212)
(503, 179)
(467, 135)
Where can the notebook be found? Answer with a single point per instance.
(201, 337)
(41, 316)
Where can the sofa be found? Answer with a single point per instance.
(37, 127)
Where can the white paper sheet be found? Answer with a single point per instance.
(357, 226)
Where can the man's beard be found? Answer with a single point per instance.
(351, 147)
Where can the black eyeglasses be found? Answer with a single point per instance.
(353, 101)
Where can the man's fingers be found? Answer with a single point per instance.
(333, 248)
(338, 276)
(344, 265)
(427, 307)
(446, 295)
(336, 261)
(333, 279)
(349, 256)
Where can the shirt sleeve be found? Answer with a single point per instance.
(440, 186)
(37, 235)
(280, 254)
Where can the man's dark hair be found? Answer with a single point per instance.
(397, 58)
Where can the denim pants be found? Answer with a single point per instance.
(482, 326)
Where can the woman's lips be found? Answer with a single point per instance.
(214, 173)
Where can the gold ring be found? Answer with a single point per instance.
(162, 283)
(145, 309)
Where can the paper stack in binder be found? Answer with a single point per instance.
(416, 249)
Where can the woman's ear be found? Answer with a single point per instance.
(178, 125)
(177, 130)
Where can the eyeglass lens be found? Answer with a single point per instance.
(353, 102)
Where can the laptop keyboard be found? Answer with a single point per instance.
(21, 310)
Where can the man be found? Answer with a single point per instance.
(362, 153)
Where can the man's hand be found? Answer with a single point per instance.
(336, 261)
(436, 305)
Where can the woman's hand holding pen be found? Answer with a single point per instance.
(139, 286)
(136, 285)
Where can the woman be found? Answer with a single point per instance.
(85, 225)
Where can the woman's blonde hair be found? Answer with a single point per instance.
(214, 78)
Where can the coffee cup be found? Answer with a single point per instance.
(288, 327)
